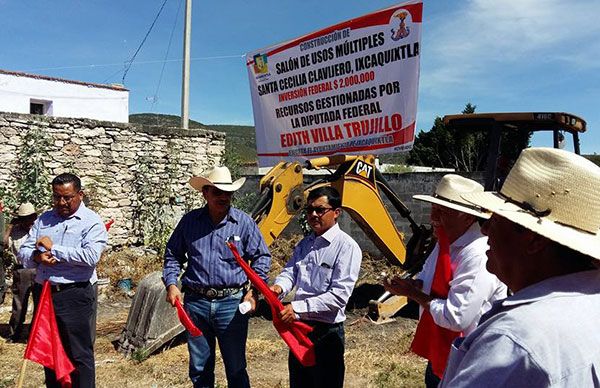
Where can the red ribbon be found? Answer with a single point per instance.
(294, 334)
(186, 321)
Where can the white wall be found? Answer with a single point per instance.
(67, 99)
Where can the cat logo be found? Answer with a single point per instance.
(363, 169)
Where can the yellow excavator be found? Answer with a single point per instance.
(361, 185)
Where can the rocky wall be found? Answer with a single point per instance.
(124, 167)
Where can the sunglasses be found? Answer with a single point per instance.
(319, 210)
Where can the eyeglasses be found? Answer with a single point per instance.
(67, 198)
(319, 210)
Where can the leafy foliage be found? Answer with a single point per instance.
(33, 184)
(463, 151)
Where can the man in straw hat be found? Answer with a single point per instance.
(454, 289)
(545, 245)
(23, 278)
(213, 282)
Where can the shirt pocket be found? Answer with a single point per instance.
(320, 277)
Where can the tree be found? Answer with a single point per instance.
(462, 150)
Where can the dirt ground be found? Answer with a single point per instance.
(376, 355)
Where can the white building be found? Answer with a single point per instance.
(49, 96)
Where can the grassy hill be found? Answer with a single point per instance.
(240, 138)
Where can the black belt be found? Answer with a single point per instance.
(212, 292)
(65, 286)
(323, 324)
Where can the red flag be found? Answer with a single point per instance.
(432, 341)
(294, 334)
(44, 345)
(186, 321)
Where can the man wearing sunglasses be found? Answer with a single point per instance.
(324, 267)
(65, 245)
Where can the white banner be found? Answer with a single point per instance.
(347, 89)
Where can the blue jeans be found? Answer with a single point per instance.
(218, 319)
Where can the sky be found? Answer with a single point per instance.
(510, 55)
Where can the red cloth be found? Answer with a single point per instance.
(109, 224)
(432, 341)
(185, 320)
(44, 345)
(294, 334)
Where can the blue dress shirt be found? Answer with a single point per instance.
(325, 269)
(78, 242)
(210, 263)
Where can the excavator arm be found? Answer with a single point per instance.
(283, 195)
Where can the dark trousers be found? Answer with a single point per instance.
(329, 351)
(23, 280)
(75, 310)
(431, 380)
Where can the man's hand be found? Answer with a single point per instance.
(403, 287)
(252, 297)
(276, 289)
(45, 258)
(44, 242)
(287, 315)
(173, 294)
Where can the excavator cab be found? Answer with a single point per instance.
(497, 124)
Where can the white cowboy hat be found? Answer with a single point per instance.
(553, 193)
(449, 191)
(219, 177)
(26, 209)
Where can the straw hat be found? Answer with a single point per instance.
(219, 177)
(554, 193)
(449, 191)
(26, 209)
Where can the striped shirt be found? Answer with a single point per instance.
(210, 263)
(78, 242)
(325, 269)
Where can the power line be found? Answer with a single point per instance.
(128, 66)
(162, 70)
(137, 63)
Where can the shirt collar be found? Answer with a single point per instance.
(585, 282)
(78, 213)
(330, 234)
(231, 215)
(467, 237)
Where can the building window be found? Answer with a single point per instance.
(40, 107)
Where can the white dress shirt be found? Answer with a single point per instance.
(324, 269)
(472, 289)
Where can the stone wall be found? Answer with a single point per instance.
(404, 185)
(122, 166)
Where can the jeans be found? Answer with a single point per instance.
(218, 319)
(329, 369)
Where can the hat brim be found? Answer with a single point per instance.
(453, 205)
(199, 182)
(576, 239)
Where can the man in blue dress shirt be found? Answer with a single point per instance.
(324, 267)
(65, 245)
(213, 283)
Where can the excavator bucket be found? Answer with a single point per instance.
(151, 322)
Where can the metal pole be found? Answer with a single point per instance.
(185, 88)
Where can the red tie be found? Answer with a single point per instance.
(432, 341)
